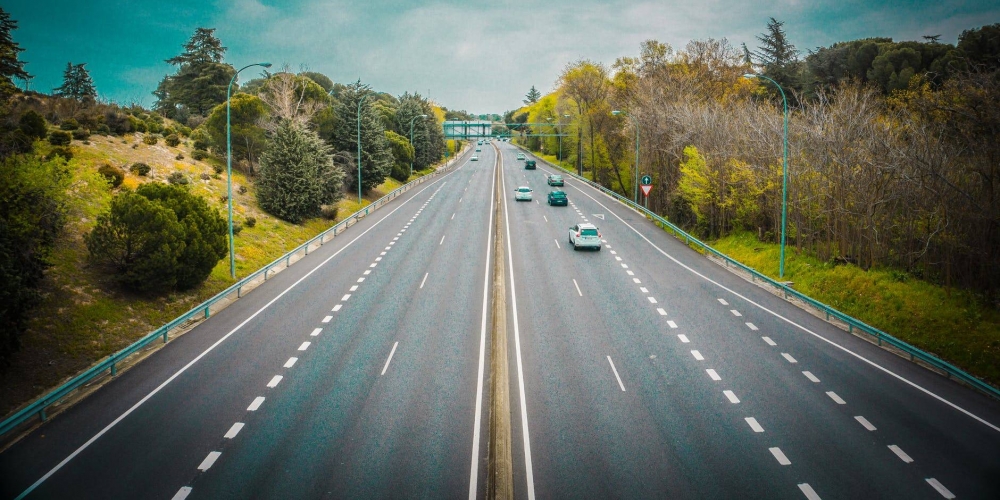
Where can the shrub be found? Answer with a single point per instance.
(199, 155)
(135, 146)
(179, 157)
(154, 127)
(242, 189)
(329, 212)
(140, 169)
(217, 169)
(102, 129)
(201, 144)
(150, 139)
(64, 153)
(60, 138)
(81, 134)
(250, 222)
(69, 124)
(118, 122)
(113, 174)
(297, 175)
(205, 176)
(33, 125)
(172, 140)
(237, 228)
(178, 179)
(168, 131)
(184, 131)
(15, 142)
(136, 124)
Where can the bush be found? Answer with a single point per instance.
(154, 127)
(150, 139)
(15, 142)
(242, 189)
(217, 169)
(205, 176)
(136, 124)
(250, 222)
(102, 129)
(237, 228)
(178, 178)
(184, 131)
(329, 212)
(297, 175)
(158, 238)
(64, 153)
(199, 155)
(33, 125)
(179, 157)
(201, 144)
(119, 123)
(81, 134)
(69, 124)
(60, 138)
(172, 140)
(140, 169)
(113, 174)
(168, 131)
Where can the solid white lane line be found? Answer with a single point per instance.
(577, 287)
(715, 376)
(651, 300)
(900, 453)
(346, 296)
(643, 289)
(182, 493)
(234, 430)
(424, 280)
(671, 324)
(274, 381)
(557, 243)
(779, 456)
(752, 326)
(661, 311)
(769, 341)
(337, 307)
(316, 332)
(684, 338)
(259, 400)
(753, 424)
(939, 487)
(304, 346)
(209, 460)
(809, 492)
(788, 357)
(723, 302)
(393, 351)
(442, 240)
(616, 374)
(327, 319)
(810, 376)
(837, 399)
(735, 312)
(731, 396)
(864, 421)
(697, 355)
(291, 362)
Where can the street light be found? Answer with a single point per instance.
(359, 146)
(411, 142)
(784, 175)
(635, 124)
(229, 168)
(560, 139)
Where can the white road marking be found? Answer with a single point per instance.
(361, 280)
(614, 252)
(557, 243)
(393, 351)
(367, 272)
(546, 218)
(788, 357)
(671, 324)
(619, 259)
(864, 421)
(388, 248)
(769, 341)
(624, 265)
(697, 355)
(900, 453)
(327, 319)
(752, 326)
(630, 273)
(259, 400)
(661, 311)
(337, 307)
(616, 374)
(373, 264)
(291, 362)
(643, 289)
(604, 241)
(809, 492)
(735, 312)
(209, 460)
(460, 200)
(453, 216)
(779, 456)
(315, 332)
(182, 493)
(684, 338)
(442, 241)
(234, 430)
(810, 376)
(274, 381)
(383, 254)
(304, 346)
(424, 280)
(731, 396)
(396, 238)
(345, 297)
(939, 487)
(723, 302)
(378, 259)
(715, 376)
(753, 424)
(577, 287)
(837, 399)
(636, 281)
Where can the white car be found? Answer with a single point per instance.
(520, 156)
(522, 193)
(474, 158)
(585, 236)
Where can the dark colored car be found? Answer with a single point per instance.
(529, 164)
(558, 198)
(555, 180)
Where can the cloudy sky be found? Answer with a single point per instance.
(478, 56)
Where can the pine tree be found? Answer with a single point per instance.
(10, 66)
(297, 174)
(779, 58)
(203, 47)
(376, 157)
(77, 83)
(201, 80)
(532, 96)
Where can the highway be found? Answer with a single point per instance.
(642, 370)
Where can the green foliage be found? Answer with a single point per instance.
(199, 155)
(178, 178)
(150, 139)
(320, 79)
(81, 134)
(69, 124)
(532, 96)
(77, 83)
(140, 169)
(60, 138)
(402, 154)
(247, 113)
(250, 222)
(10, 67)
(15, 142)
(297, 174)
(62, 152)
(113, 174)
(696, 186)
(172, 140)
(376, 157)
(33, 125)
(428, 137)
(32, 213)
(201, 80)
(981, 46)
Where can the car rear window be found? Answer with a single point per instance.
(558, 194)
(524, 190)
(589, 232)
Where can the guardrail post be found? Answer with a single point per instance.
(239, 291)
(206, 312)
(43, 415)
(165, 332)
(114, 369)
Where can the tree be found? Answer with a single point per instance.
(248, 115)
(428, 137)
(293, 97)
(982, 46)
(297, 174)
(376, 158)
(201, 81)
(10, 66)
(532, 96)
(402, 154)
(77, 83)
(33, 125)
(586, 83)
(203, 47)
(320, 79)
(778, 57)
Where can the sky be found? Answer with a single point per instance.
(473, 55)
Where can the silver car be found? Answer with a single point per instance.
(522, 193)
(585, 236)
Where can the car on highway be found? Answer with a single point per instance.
(520, 156)
(474, 158)
(480, 142)
(558, 198)
(478, 149)
(529, 165)
(522, 193)
(555, 180)
(585, 236)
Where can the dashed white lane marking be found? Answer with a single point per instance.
(697, 355)
(864, 421)
(651, 300)
(557, 243)
(378, 259)
(460, 200)
(274, 381)
(735, 312)
(619, 259)
(809, 492)
(337, 307)
(453, 216)
(779, 456)
(616, 374)
(182, 493)
(900, 453)
(424, 280)
(345, 297)
(752, 326)
(837, 399)
(327, 319)
(643, 289)
(810, 376)
(671, 324)
(731, 396)
(723, 302)
(614, 252)
(661, 311)
(382, 254)
(388, 248)
(715, 376)
(373, 264)
(753, 424)
(367, 272)
(315, 332)
(442, 241)
(684, 338)
(636, 281)
(546, 218)
(624, 265)
(604, 241)
(386, 367)
(304, 346)
(259, 400)
(577, 288)
(209, 460)
(396, 238)
(234, 430)
(630, 273)
(939, 487)
(361, 280)
(291, 362)
(788, 357)
(769, 341)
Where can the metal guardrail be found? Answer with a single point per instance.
(853, 324)
(203, 310)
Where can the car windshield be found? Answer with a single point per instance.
(588, 232)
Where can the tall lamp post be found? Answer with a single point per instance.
(229, 167)
(411, 141)
(359, 146)
(784, 174)
(635, 125)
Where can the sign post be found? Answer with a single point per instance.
(647, 185)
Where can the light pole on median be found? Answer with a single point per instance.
(784, 174)
(411, 143)
(229, 167)
(635, 124)
(359, 145)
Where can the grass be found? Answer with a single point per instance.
(955, 326)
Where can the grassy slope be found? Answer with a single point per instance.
(83, 317)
